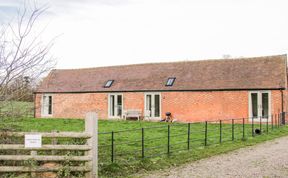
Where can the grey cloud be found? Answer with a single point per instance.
(9, 8)
(96, 2)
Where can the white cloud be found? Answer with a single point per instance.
(109, 32)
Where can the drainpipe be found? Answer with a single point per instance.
(34, 100)
(282, 108)
(282, 101)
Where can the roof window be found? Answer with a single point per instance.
(108, 83)
(170, 81)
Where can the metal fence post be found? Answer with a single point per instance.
(275, 123)
(220, 127)
(261, 123)
(272, 121)
(252, 126)
(168, 145)
(283, 121)
(188, 137)
(112, 146)
(267, 126)
(243, 125)
(279, 120)
(232, 129)
(206, 125)
(143, 153)
(276, 120)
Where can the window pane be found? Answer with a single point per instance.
(108, 83)
(157, 106)
(148, 103)
(44, 105)
(112, 111)
(50, 105)
(265, 108)
(119, 105)
(254, 98)
(47, 105)
(170, 81)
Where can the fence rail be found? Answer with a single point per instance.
(43, 158)
(46, 147)
(49, 134)
(21, 169)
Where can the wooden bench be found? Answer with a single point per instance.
(132, 113)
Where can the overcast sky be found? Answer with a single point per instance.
(111, 32)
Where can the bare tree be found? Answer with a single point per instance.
(24, 57)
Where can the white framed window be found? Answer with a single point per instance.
(47, 105)
(260, 105)
(152, 105)
(115, 105)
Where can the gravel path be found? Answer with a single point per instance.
(269, 159)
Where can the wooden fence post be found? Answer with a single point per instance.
(91, 127)
(54, 142)
(33, 153)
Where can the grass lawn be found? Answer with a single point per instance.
(127, 142)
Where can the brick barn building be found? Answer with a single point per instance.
(190, 90)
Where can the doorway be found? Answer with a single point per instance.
(259, 105)
(115, 105)
(153, 105)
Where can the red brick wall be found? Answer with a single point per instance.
(285, 100)
(185, 106)
(76, 105)
(133, 100)
(37, 105)
(276, 101)
(200, 106)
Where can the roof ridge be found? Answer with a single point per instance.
(184, 61)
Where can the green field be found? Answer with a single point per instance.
(16, 108)
(128, 146)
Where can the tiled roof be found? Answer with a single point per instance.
(267, 72)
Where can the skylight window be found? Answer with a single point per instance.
(108, 83)
(170, 81)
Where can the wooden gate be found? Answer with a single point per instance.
(89, 147)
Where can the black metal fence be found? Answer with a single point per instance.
(172, 138)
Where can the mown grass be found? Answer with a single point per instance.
(127, 143)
